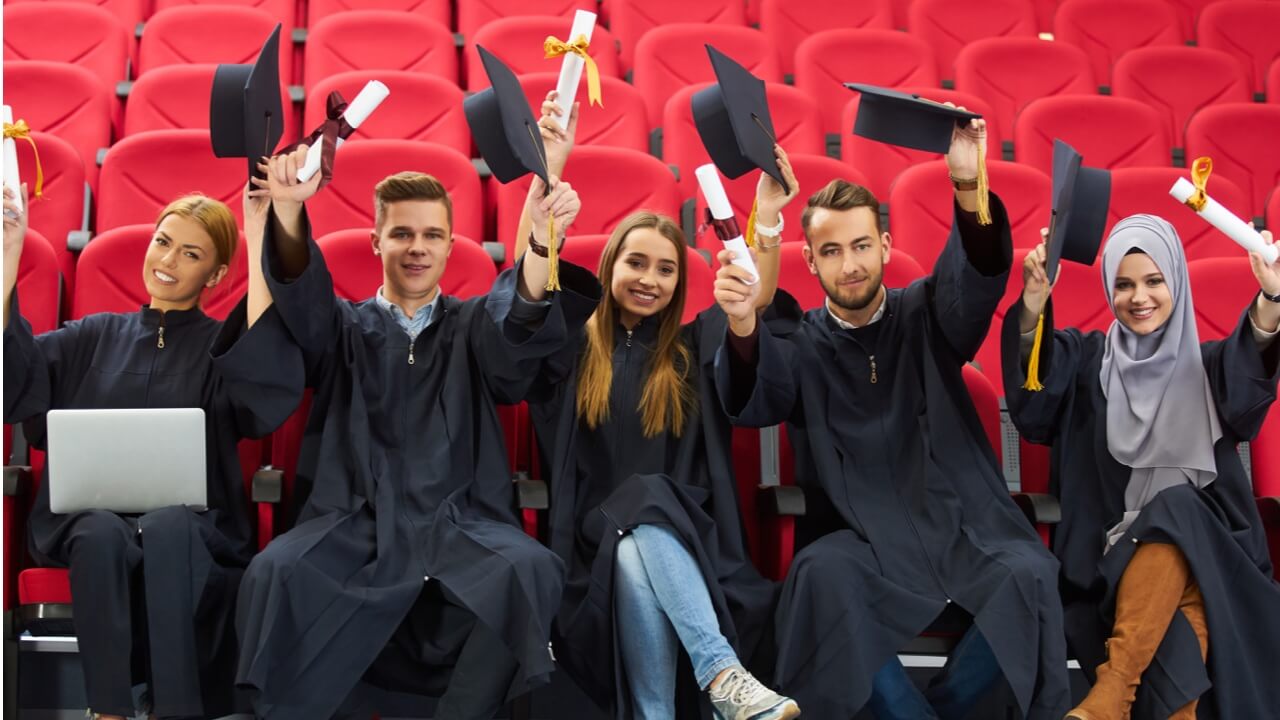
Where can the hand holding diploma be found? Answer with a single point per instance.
(341, 121)
(575, 59)
(722, 219)
(1194, 197)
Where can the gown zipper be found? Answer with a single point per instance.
(160, 339)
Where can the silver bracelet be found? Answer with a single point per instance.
(771, 232)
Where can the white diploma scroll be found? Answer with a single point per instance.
(359, 110)
(11, 179)
(584, 22)
(1226, 221)
(718, 203)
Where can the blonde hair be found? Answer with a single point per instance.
(408, 186)
(214, 217)
(667, 401)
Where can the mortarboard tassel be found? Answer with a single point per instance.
(750, 237)
(1033, 365)
(20, 131)
(553, 256)
(984, 187)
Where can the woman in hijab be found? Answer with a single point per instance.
(1166, 581)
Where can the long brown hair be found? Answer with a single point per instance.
(667, 401)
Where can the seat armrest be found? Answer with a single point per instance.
(531, 494)
(17, 480)
(268, 485)
(1040, 508)
(1268, 508)
(781, 500)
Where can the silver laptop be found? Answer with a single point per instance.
(126, 461)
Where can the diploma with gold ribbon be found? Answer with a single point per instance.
(576, 58)
(14, 131)
(1192, 194)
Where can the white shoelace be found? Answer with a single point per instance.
(741, 688)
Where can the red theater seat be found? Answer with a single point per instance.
(475, 14)
(379, 40)
(437, 10)
(279, 10)
(61, 210)
(630, 21)
(673, 57)
(420, 107)
(1248, 30)
(620, 121)
(79, 113)
(79, 34)
(347, 201)
(1109, 132)
(1221, 289)
(1180, 81)
(1273, 211)
(127, 12)
(1146, 190)
(1009, 72)
(191, 34)
(1107, 29)
(176, 97)
(826, 60)
(38, 284)
(1241, 139)
(517, 41)
(143, 173)
(921, 206)
(948, 26)
(788, 24)
(595, 172)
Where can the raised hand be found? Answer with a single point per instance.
(256, 204)
(562, 203)
(967, 142)
(1268, 274)
(557, 142)
(770, 197)
(1035, 283)
(15, 224)
(281, 184)
(736, 294)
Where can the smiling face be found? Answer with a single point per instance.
(180, 263)
(414, 241)
(645, 275)
(1141, 296)
(847, 252)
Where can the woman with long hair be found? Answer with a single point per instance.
(153, 594)
(644, 507)
(1167, 587)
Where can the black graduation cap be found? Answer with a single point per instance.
(896, 118)
(503, 126)
(733, 120)
(1081, 196)
(246, 118)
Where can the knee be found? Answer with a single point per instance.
(100, 535)
(165, 520)
(627, 561)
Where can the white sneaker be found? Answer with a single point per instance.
(739, 696)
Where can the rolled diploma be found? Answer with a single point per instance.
(370, 97)
(1226, 221)
(11, 180)
(718, 203)
(584, 22)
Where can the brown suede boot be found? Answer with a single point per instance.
(1193, 607)
(1151, 590)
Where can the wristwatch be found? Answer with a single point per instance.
(1272, 298)
(539, 249)
(964, 183)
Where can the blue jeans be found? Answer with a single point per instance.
(660, 598)
(969, 673)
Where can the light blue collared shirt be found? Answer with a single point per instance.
(413, 326)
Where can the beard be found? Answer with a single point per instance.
(853, 301)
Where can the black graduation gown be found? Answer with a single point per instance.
(907, 508)
(608, 480)
(409, 481)
(192, 561)
(1217, 528)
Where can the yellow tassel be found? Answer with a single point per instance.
(984, 187)
(553, 257)
(1033, 365)
(750, 236)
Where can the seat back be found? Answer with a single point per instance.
(789, 24)
(38, 285)
(1240, 137)
(826, 60)
(347, 201)
(379, 40)
(79, 113)
(1180, 81)
(61, 209)
(176, 97)
(143, 173)
(473, 15)
(1146, 190)
(281, 11)
(75, 33)
(1009, 72)
(630, 21)
(1107, 29)
(198, 34)
(440, 11)
(1245, 29)
(672, 57)
(881, 162)
(947, 27)
(1221, 290)
(420, 107)
(920, 207)
(594, 172)
(622, 120)
(517, 41)
(1109, 132)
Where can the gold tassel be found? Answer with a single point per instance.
(750, 236)
(984, 187)
(553, 256)
(21, 131)
(1033, 365)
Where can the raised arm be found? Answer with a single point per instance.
(558, 143)
(770, 201)
(15, 232)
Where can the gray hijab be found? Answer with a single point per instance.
(1161, 418)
